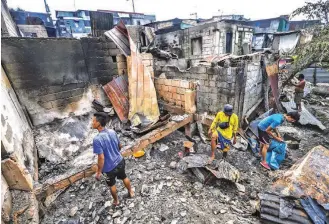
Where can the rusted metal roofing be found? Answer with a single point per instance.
(119, 35)
(308, 177)
(117, 92)
(284, 210)
(305, 116)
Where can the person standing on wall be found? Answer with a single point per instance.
(267, 130)
(299, 92)
(222, 130)
(110, 161)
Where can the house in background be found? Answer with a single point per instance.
(272, 25)
(73, 23)
(303, 24)
(130, 18)
(34, 24)
(171, 25)
(78, 23)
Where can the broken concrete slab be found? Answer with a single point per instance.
(308, 177)
(17, 176)
(306, 118)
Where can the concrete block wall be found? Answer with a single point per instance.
(239, 85)
(213, 37)
(216, 86)
(177, 92)
(56, 77)
(101, 59)
(49, 76)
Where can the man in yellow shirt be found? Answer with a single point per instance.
(222, 129)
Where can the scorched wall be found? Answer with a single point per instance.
(55, 77)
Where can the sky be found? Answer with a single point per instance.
(168, 9)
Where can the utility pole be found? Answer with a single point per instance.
(133, 5)
(194, 14)
(47, 7)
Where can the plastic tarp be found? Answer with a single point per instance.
(276, 154)
(288, 43)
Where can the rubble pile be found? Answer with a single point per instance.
(164, 194)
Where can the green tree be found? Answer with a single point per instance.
(317, 50)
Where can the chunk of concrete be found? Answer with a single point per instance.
(16, 175)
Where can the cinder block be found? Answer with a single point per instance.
(175, 82)
(184, 84)
(169, 95)
(165, 88)
(168, 82)
(172, 89)
(212, 83)
(180, 90)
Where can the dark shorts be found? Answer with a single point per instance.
(117, 172)
(263, 137)
(298, 97)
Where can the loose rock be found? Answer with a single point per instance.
(73, 211)
(117, 214)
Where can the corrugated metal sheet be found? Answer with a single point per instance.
(100, 23)
(119, 35)
(305, 116)
(284, 210)
(144, 109)
(117, 92)
(308, 177)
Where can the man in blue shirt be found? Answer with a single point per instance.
(266, 128)
(110, 162)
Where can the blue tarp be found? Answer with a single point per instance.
(276, 154)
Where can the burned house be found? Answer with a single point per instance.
(207, 39)
(50, 90)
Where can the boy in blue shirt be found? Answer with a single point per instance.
(266, 128)
(110, 161)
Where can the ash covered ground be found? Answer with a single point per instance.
(165, 195)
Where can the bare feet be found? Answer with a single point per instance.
(115, 203)
(211, 159)
(131, 194)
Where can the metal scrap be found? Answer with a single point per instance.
(221, 169)
(308, 177)
(119, 35)
(305, 116)
(279, 209)
(117, 92)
